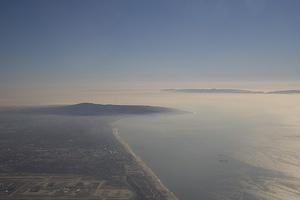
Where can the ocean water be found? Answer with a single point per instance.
(230, 146)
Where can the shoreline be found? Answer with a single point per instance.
(147, 170)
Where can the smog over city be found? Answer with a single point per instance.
(149, 100)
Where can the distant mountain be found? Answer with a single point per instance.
(285, 92)
(230, 91)
(90, 109)
(214, 90)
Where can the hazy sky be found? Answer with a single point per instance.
(59, 42)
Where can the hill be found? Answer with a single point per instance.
(91, 109)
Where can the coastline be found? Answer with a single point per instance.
(150, 175)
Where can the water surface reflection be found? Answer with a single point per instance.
(230, 147)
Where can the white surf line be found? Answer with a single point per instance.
(158, 184)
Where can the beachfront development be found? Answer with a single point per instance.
(64, 157)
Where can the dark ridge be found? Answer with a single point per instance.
(90, 109)
(214, 90)
(285, 92)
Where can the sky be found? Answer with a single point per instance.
(89, 43)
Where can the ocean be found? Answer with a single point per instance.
(229, 146)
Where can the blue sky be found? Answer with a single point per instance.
(65, 42)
